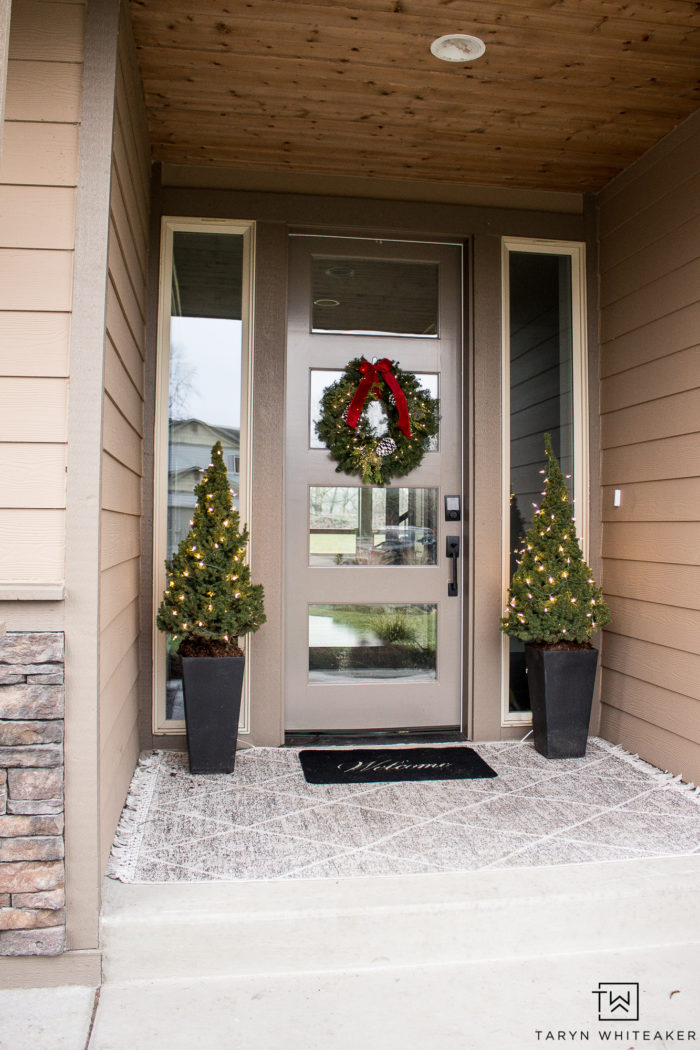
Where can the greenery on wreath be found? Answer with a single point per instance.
(553, 599)
(358, 450)
(209, 601)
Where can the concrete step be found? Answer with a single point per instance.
(171, 931)
(498, 1005)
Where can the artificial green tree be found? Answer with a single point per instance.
(209, 601)
(553, 599)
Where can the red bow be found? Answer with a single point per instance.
(372, 376)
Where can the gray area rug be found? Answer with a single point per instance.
(265, 822)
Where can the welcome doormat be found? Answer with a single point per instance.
(370, 765)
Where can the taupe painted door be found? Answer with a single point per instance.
(372, 637)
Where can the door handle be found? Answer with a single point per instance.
(452, 551)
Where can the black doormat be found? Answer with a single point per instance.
(368, 765)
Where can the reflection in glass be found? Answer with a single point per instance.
(541, 400)
(380, 642)
(205, 384)
(321, 378)
(372, 526)
(374, 297)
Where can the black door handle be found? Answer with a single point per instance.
(452, 551)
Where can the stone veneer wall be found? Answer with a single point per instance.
(32, 888)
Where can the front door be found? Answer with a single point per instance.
(373, 626)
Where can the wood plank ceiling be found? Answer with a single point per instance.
(568, 93)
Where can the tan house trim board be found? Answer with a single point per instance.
(594, 494)
(84, 473)
(225, 178)
(4, 50)
(40, 972)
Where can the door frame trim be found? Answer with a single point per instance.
(576, 251)
(171, 224)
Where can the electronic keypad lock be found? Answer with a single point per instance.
(453, 509)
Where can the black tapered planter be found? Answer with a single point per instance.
(560, 682)
(212, 691)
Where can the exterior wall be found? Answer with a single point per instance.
(650, 403)
(32, 870)
(122, 433)
(38, 180)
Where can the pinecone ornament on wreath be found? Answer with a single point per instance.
(386, 447)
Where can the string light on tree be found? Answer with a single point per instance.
(212, 605)
(553, 586)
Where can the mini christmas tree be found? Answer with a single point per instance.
(553, 599)
(209, 601)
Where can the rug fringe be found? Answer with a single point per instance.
(663, 779)
(128, 837)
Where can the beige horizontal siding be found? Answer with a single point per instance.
(118, 757)
(674, 457)
(667, 625)
(120, 538)
(673, 332)
(117, 690)
(121, 389)
(34, 475)
(35, 280)
(131, 297)
(661, 706)
(117, 639)
(675, 249)
(44, 91)
(651, 224)
(672, 585)
(651, 419)
(650, 426)
(118, 585)
(34, 344)
(668, 542)
(128, 349)
(122, 440)
(649, 501)
(672, 374)
(38, 179)
(31, 545)
(32, 410)
(37, 217)
(668, 749)
(119, 438)
(121, 487)
(39, 154)
(52, 32)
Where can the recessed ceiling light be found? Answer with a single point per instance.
(458, 47)
(340, 271)
(326, 302)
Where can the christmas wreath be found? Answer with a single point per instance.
(349, 430)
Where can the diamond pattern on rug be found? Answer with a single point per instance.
(265, 822)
